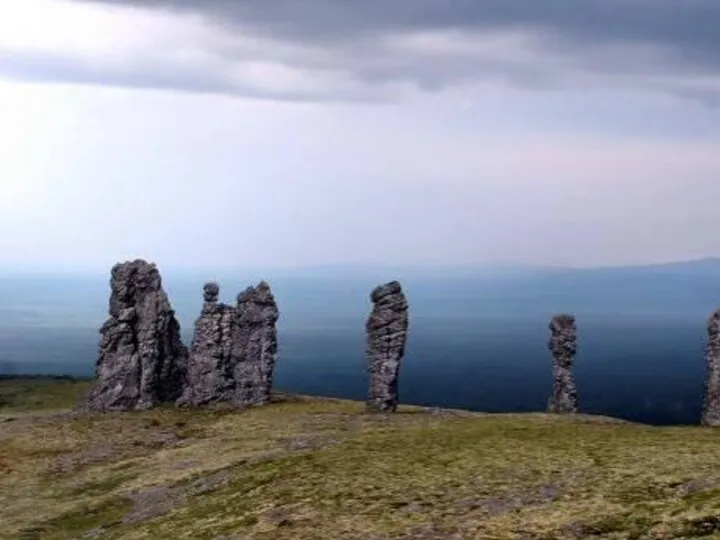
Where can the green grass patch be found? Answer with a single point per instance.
(97, 487)
(321, 469)
(36, 394)
(82, 520)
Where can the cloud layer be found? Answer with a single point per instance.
(371, 50)
(126, 130)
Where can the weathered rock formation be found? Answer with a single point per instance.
(711, 404)
(256, 339)
(210, 364)
(563, 344)
(386, 328)
(142, 360)
(234, 350)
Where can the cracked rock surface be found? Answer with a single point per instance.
(563, 345)
(257, 345)
(711, 402)
(142, 360)
(234, 349)
(209, 374)
(386, 329)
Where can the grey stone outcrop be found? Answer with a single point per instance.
(257, 344)
(234, 350)
(386, 328)
(711, 401)
(142, 361)
(210, 364)
(563, 344)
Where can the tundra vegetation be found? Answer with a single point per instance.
(176, 442)
(303, 467)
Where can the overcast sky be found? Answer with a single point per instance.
(306, 132)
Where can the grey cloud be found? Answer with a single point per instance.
(686, 33)
(670, 45)
(44, 68)
(690, 24)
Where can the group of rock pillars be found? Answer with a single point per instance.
(231, 360)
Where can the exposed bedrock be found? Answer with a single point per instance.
(563, 344)
(234, 349)
(711, 401)
(386, 329)
(257, 345)
(210, 363)
(142, 361)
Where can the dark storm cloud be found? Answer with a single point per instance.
(691, 23)
(688, 29)
(670, 45)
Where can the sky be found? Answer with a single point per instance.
(218, 133)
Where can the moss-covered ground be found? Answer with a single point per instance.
(322, 469)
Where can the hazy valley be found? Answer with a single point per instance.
(478, 337)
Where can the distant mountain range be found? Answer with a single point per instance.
(482, 269)
(705, 266)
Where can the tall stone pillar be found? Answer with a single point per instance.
(563, 344)
(142, 361)
(386, 329)
(711, 401)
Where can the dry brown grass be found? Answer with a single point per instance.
(321, 469)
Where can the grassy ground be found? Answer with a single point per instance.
(321, 469)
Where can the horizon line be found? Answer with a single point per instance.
(42, 270)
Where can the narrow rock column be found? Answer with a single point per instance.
(711, 402)
(142, 360)
(256, 345)
(563, 344)
(386, 329)
(209, 374)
